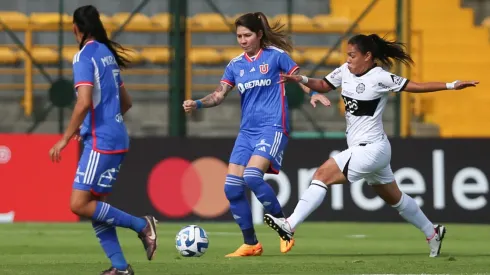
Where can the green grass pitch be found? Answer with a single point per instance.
(321, 248)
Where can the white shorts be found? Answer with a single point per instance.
(370, 162)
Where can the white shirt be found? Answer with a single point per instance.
(365, 98)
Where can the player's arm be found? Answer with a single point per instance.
(316, 84)
(217, 97)
(81, 109)
(322, 85)
(211, 100)
(303, 87)
(427, 87)
(125, 100)
(314, 95)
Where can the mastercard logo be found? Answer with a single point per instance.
(178, 187)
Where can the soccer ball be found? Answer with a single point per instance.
(191, 241)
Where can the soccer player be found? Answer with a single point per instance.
(101, 103)
(365, 90)
(264, 127)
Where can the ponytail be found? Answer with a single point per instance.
(87, 19)
(381, 49)
(271, 36)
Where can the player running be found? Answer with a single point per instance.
(101, 103)
(264, 127)
(365, 90)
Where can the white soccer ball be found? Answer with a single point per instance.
(192, 241)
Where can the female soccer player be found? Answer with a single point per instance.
(264, 126)
(365, 88)
(101, 103)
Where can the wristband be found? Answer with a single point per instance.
(312, 93)
(199, 104)
(304, 79)
(450, 86)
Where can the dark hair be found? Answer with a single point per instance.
(381, 49)
(87, 19)
(271, 36)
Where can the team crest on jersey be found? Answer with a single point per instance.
(242, 72)
(264, 68)
(360, 88)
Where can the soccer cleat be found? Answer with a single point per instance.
(114, 271)
(149, 236)
(435, 243)
(286, 246)
(246, 250)
(281, 226)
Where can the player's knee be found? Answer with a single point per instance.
(329, 173)
(234, 192)
(77, 207)
(253, 177)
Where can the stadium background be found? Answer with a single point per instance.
(177, 163)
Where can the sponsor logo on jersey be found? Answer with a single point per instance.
(242, 87)
(384, 86)
(396, 79)
(335, 73)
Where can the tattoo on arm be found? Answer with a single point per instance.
(217, 97)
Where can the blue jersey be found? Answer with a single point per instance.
(103, 128)
(263, 101)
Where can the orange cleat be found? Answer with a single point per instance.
(247, 250)
(286, 246)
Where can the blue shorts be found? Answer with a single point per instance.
(269, 143)
(97, 172)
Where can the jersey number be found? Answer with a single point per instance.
(115, 74)
(350, 105)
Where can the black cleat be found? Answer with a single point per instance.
(149, 236)
(114, 271)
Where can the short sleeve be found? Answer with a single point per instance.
(334, 79)
(228, 76)
(83, 71)
(388, 82)
(286, 64)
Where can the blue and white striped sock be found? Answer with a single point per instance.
(105, 213)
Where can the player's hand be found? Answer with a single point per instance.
(289, 78)
(189, 105)
(55, 152)
(77, 135)
(321, 98)
(459, 85)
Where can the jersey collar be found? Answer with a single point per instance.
(249, 59)
(367, 71)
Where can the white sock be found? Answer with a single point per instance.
(411, 212)
(310, 200)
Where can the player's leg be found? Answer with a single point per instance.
(107, 236)
(254, 178)
(384, 184)
(239, 205)
(335, 170)
(269, 147)
(95, 176)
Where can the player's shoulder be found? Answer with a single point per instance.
(237, 59)
(342, 69)
(86, 52)
(380, 73)
(274, 50)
